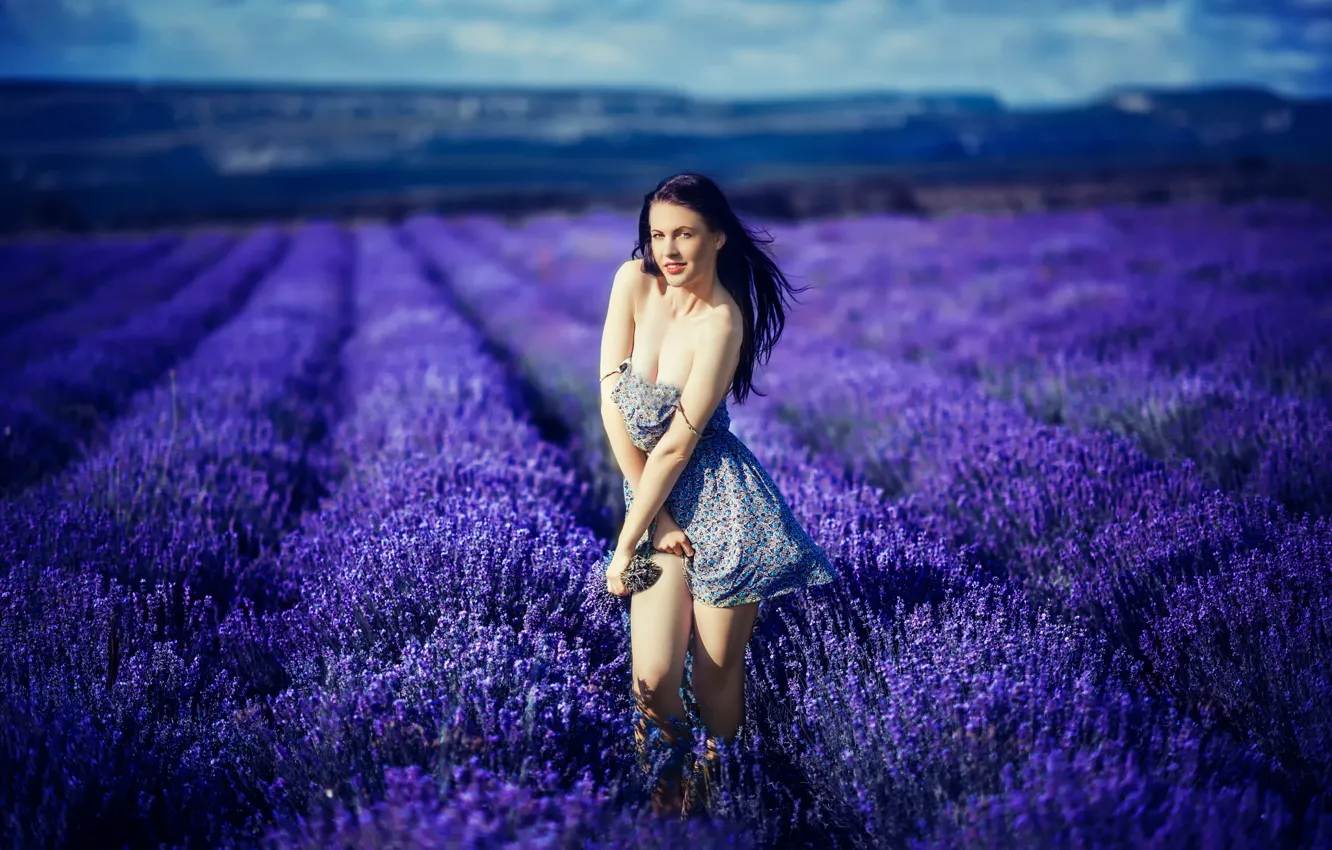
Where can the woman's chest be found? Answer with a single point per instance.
(663, 348)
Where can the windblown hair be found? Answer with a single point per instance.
(744, 267)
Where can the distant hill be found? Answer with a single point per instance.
(95, 155)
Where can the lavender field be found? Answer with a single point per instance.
(301, 529)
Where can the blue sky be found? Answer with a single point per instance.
(1028, 52)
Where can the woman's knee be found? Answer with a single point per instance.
(660, 704)
(709, 679)
(657, 688)
(721, 703)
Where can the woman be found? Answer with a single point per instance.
(684, 329)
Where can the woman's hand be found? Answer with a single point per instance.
(669, 537)
(615, 572)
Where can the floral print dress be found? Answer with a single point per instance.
(748, 546)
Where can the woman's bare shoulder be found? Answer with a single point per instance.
(632, 280)
(632, 269)
(725, 321)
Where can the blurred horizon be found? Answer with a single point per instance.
(1117, 93)
(151, 113)
(1024, 55)
(81, 156)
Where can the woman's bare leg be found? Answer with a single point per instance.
(720, 637)
(719, 665)
(660, 620)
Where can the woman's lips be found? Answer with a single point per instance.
(674, 268)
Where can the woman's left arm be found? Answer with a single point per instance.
(714, 361)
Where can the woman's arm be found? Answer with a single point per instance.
(709, 378)
(617, 342)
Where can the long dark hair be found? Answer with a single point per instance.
(744, 267)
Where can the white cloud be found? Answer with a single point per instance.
(533, 46)
(1283, 61)
(406, 32)
(311, 11)
(1145, 25)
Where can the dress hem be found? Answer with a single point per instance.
(759, 597)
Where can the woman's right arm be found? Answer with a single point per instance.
(617, 342)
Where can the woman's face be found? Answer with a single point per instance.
(682, 245)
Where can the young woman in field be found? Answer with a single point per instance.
(689, 316)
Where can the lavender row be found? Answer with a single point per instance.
(1277, 449)
(986, 702)
(792, 659)
(557, 256)
(1242, 438)
(505, 302)
(117, 732)
(1092, 525)
(62, 273)
(58, 402)
(115, 302)
(1085, 521)
(443, 628)
(892, 718)
(165, 457)
(125, 725)
(1169, 361)
(1090, 521)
